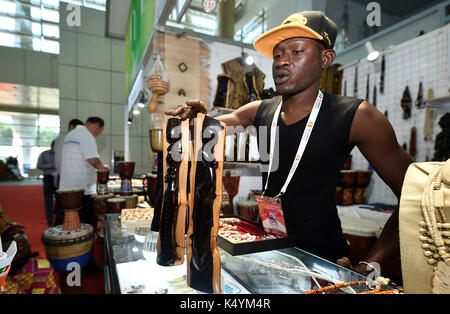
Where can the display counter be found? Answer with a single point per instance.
(130, 267)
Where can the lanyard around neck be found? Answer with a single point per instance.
(302, 146)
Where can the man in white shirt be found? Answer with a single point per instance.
(80, 160)
(59, 142)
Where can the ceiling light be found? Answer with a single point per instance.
(373, 54)
(142, 100)
(136, 111)
(249, 60)
(246, 60)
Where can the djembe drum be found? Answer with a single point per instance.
(347, 181)
(115, 205)
(102, 182)
(130, 201)
(248, 209)
(126, 172)
(362, 180)
(72, 241)
(361, 235)
(100, 209)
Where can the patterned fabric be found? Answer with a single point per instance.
(6, 224)
(36, 277)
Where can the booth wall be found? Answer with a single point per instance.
(423, 59)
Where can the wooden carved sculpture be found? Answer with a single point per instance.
(205, 198)
(171, 239)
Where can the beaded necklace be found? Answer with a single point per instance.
(434, 230)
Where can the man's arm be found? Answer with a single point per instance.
(375, 138)
(97, 164)
(244, 116)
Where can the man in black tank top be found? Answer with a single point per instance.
(301, 47)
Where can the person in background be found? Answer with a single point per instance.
(59, 142)
(80, 159)
(46, 162)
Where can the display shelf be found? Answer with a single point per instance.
(248, 169)
(130, 267)
(241, 164)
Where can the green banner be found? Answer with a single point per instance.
(141, 23)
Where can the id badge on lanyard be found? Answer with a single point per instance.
(270, 207)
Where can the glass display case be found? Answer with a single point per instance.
(130, 267)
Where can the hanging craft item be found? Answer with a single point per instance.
(406, 104)
(368, 87)
(428, 130)
(419, 100)
(224, 85)
(236, 94)
(442, 143)
(355, 83)
(374, 101)
(205, 199)
(331, 81)
(231, 185)
(172, 226)
(250, 85)
(157, 83)
(412, 143)
(383, 72)
(423, 229)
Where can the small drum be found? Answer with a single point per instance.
(115, 205)
(347, 196)
(348, 163)
(100, 209)
(363, 178)
(347, 179)
(102, 181)
(101, 203)
(131, 201)
(248, 210)
(361, 235)
(126, 171)
(339, 195)
(360, 196)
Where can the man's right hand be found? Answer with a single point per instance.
(188, 110)
(106, 167)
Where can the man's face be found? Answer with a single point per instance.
(94, 128)
(296, 65)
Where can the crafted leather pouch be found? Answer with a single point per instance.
(424, 230)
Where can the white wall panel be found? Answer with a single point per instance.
(93, 85)
(94, 52)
